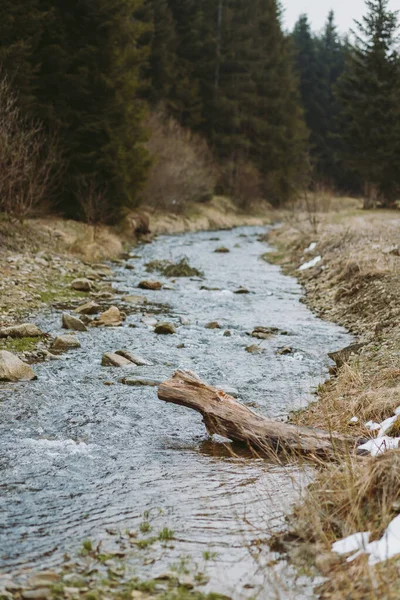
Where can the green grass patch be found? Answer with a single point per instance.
(26, 344)
(170, 269)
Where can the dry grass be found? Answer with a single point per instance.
(357, 284)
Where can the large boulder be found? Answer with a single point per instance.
(111, 359)
(21, 331)
(64, 342)
(89, 308)
(13, 369)
(110, 318)
(82, 285)
(71, 322)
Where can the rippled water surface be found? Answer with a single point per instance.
(78, 457)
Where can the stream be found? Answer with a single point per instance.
(79, 458)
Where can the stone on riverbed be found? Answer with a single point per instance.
(110, 318)
(285, 351)
(134, 358)
(71, 322)
(254, 349)
(82, 285)
(89, 308)
(150, 285)
(64, 342)
(164, 329)
(43, 579)
(142, 381)
(13, 369)
(111, 359)
(21, 331)
(262, 333)
(38, 594)
(134, 299)
(213, 325)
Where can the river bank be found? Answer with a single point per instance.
(40, 258)
(82, 443)
(351, 274)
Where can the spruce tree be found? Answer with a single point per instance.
(332, 52)
(314, 89)
(369, 93)
(83, 80)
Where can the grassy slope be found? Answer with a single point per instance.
(357, 284)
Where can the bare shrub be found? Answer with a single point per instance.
(28, 159)
(94, 204)
(183, 168)
(241, 179)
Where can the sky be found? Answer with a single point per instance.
(317, 10)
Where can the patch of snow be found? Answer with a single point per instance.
(310, 263)
(372, 426)
(354, 420)
(379, 551)
(385, 425)
(311, 247)
(352, 543)
(380, 445)
(388, 546)
(397, 411)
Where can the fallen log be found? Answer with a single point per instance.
(225, 416)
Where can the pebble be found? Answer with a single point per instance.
(150, 285)
(164, 329)
(254, 349)
(38, 594)
(142, 381)
(213, 325)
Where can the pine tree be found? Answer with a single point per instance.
(83, 80)
(280, 132)
(21, 27)
(163, 64)
(314, 90)
(332, 54)
(369, 92)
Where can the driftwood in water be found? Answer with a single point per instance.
(225, 416)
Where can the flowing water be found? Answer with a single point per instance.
(78, 457)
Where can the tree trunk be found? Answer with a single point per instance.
(224, 416)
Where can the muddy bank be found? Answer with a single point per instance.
(351, 276)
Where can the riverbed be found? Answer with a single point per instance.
(83, 456)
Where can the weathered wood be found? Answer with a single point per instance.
(225, 416)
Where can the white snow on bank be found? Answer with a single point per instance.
(353, 543)
(379, 551)
(310, 263)
(311, 247)
(382, 443)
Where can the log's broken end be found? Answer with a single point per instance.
(225, 416)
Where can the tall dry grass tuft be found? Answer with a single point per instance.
(183, 167)
(28, 159)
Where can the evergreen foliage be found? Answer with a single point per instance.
(80, 74)
(319, 62)
(369, 93)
